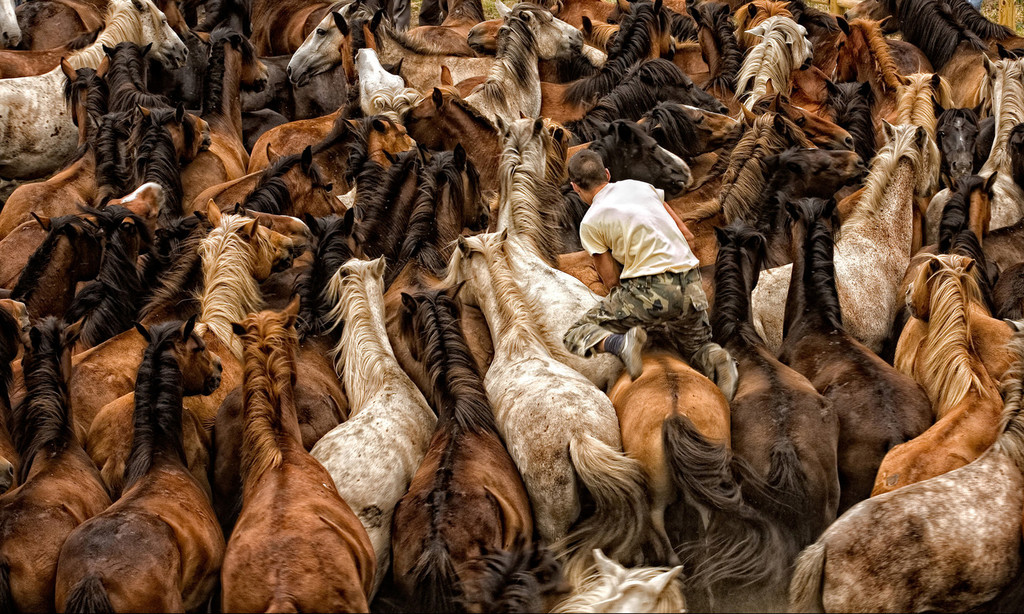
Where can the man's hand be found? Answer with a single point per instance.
(607, 268)
(682, 226)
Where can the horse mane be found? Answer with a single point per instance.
(526, 193)
(638, 91)
(577, 66)
(719, 21)
(967, 244)
(632, 45)
(96, 96)
(269, 364)
(70, 227)
(745, 177)
(956, 212)
(385, 213)
(514, 580)
(731, 316)
(112, 169)
(771, 60)
(158, 404)
(394, 104)
(127, 80)
(156, 159)
(109, 304)
(174, 285)
(819, 261)
(883, 167)
(851, 108)
(914, 101)
(679, 134)
(931, 26)
(947, 374)
(271, 193)
(363, 355)
(970, 18)
(881, 54)
(331, 252)
(471, 9)
(765, 9)
(122, 22)
(213, 90)
(1009, 101)
(1011, 439)
(593, 590)
(602, 34)
(229, 290)
(10, 327)
(516, 56)
(43, 418)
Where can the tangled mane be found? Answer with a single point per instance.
(158, 403)
(271, 193)
(229, 291)
(639, 91)
(902, 147)
(213, 91)
(1011, 441)
(819, 260)
(597, 588)
(731, 316)
(516, 57)
(112, 168)
(717, 18)
(332, 251)
(515, 580)
(156, 159)
(745, 178)
(127, 80)
(783, 47)
(881, 54)
(363, 357)
(956, 212)
(122, 22)
(393, 103)
(915, 106)
(849, 105)
(948, 348)
(1007, 103)
(71, 228)
(763, 9)
(675, 130)
(600, 34)
(931, 26)
(974, 21)
(43, 419)
(178, 268)
(386, 198)
(269, 365)
(96, 96)
(634, 43)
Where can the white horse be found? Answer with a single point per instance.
(556, 424)
(561, 299)
(614, 588)
(873, 252)
(36, 131)
(380, 92)
(784, 47)
(373, 456)
(10, 32)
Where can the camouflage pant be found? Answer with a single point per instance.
(673, 299)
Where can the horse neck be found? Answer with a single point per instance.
(1007, 116)
(271, 427)
(122, 27)
(519, 212)
(229, 107)
(502, 76)
(229, 291)
(510, 315)
(732, 319)
(365, 356)
(157, 417)
(812, 303)
(893, 203)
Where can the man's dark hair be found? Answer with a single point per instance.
(586, 169)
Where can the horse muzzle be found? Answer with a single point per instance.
(211, 384)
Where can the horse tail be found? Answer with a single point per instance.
(805, 588)
(620, 520)
(740, 545)
(6, 598)
(434, 579)
(783, 493)
(87, 596)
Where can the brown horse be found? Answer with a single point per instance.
(945, 360)
(280, 27)
(865, 56)
(449, 38)
(878, 407)
(60, 487)
(46, 24)
(233, 66)
(163, 527)
(290, 500)
(13, 324)
(466, 468)
(18, 63)
(781, 425)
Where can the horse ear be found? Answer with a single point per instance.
(558, 134)
(920, 136)
(349, 220)
(306, 161)
(588, 26)
(408, 302)
(500, 125)
(843, 25)
(989, 66)
(248, 231)
(107, 51)
(341, 23)
(623, 132)
(237, 328)
(101, 70)
(179, 113)
(1003, 53)
(831, 88)
(73, 330)
(970, 265)
(188, 327)
(145, 50)
(142, 331)
(503, 11)
(291, 310)
(42, 220)
(379, 266)
(437, 97)
(623, 5)
(67, 69)
(990, 182)
(748, 116)
(720, 234)
(791, 210)
(607, 566)
(145, 112)
(662, 581)
(937, 107)
(272, 155)
(213, 213)
(375, 21)
(378, 125)
(446, 76)
(460, 156)
(658, 6)
(34, 336)
(779, 123)
(538, 125)
(888, 130)
(752, 10)
(936, 82)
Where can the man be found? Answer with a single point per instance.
(630, 225)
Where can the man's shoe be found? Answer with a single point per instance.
(632, 349)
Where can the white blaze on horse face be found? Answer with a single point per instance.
(320, 52)
(10, 32)
(167, 46)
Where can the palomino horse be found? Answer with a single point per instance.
(958, 536)
(164, 526)
(59, 487)
(40, 134)
(783, 48)
(466, 468)
(878, 407)
(945, 361)
(375, 454)
(873, 252)
(614, 588)
(557, 425)
(290, 502)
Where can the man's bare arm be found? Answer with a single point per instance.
(682, 226)
(607, 268)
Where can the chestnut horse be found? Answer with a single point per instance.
(59, 486)
(290, 501)
(163, 527)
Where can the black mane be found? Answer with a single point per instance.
(156, 159)
(850, 104)
(741, 253)
(71, 227)
(718, 18)
(127, 80)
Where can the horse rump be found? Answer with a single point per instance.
(87, 596)
(739, 545)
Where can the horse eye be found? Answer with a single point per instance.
(321, 32)
(164, 22)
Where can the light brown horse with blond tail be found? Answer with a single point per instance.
(297, 546)
(958, 535)
(946, 363)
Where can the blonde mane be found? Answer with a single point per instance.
(601, 34)
(765, 9)
(915, 106)
(1006, 96)
(393, 103)
(1011, 441)
(122, 23)
(525, 189)
(903, 146)
(783, 47)
(229, 291)
(363, 354)
(946, 356)
(878, 47)
(268, 361)
(595, 588)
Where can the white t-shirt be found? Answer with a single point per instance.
(628, 218)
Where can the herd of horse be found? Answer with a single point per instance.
(283, 285)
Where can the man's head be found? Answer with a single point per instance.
(588, 174)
